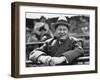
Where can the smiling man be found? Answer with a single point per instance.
(59, 50)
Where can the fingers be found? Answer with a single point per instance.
(51, 61)
(54, 61)
(57, 60)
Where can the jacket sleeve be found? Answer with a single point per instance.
(76, 52)
(43, 48)
(35, 54)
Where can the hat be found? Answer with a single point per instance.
(61, 22)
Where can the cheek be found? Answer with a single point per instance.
(59, 33)
(66, 32)
(56, 33)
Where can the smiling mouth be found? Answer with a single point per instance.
(61, 35)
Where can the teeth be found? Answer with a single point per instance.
(61, 34)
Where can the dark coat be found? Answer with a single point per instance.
(70, 48)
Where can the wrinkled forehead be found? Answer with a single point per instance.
(61, 26)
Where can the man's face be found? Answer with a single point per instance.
(61, 32)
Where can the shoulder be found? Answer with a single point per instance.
(49, 40)
(77, 42)
(73, 38)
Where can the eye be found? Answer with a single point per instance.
(64, 29)
(59, 29)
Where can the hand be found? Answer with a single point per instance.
(57, 60)
(44, 59)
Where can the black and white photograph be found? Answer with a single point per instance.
(51, 39)
(57, 39)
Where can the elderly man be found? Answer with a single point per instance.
(61, 49)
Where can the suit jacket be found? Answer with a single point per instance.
(70, 48)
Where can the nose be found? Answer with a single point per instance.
(62, 31)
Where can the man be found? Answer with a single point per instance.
(40, 32)
(61, 49)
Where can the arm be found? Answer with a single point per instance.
(76, 52)
(34, 55)
(39, 55)
(70, 55)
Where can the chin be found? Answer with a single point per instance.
(64, 37)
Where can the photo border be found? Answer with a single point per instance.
(15, 32)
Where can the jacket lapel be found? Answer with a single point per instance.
(65, 46)
(53, 47)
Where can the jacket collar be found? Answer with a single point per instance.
(67, 39)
